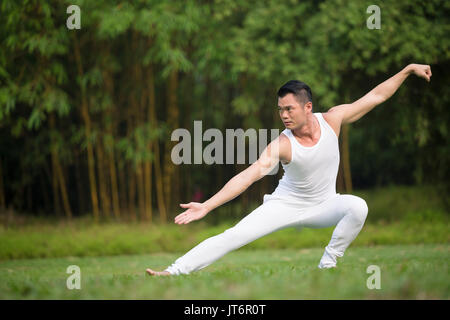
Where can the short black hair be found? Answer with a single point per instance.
(298, 88)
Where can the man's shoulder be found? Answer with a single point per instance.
(285, 146)
(331, 115)
(334, 119)
(284, 137)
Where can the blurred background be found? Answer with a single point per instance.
(86, 115)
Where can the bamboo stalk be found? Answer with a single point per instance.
(114, 189)
(141, 192)
(148, 163)
(110, 150)
(87, 125)
(44, 191)
(56, 200)
(62, 185)
(172, 121)
(159, 186)
(132, 192)
(58, 179)
(158, 172)
(105, 201)
(346, 160)
(140, 165)
(123, 195)
(80, 193)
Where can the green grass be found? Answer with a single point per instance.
(386, 204)
(117, 238)
(397, 215)
(84, 239)
(406, 234)
(407, 272)
(396, 203)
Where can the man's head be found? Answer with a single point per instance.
(294, 103)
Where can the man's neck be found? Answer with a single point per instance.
(310, 130)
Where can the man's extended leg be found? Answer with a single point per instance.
(348, 213)
(272, 215)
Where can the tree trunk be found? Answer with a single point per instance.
(58, 177)
(29, 198)
(172, 122)
(131, 164)
(2, 189)
(87, 126)
(141, 192)
(105, 201)
(159, 185)
(80, 193)
(157, 159)
(131, 172)
(148, 188)
(49, 175)
(110, 129)
(123, 195)
(44, 191)
(132, 192)
(148, 163)
(346, 160)
(340, 184)
(114, 189)
(140, 107)
(54, 157)
(64, 195)
(56, 203)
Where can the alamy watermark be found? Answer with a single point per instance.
(74, 280)
(374, 21)
(374, 281)
(74, 20)
(213, 153)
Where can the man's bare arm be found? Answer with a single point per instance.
(348, 113)
(268, 159)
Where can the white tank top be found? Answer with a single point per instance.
(310, 177)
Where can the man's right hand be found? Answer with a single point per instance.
(195, 211)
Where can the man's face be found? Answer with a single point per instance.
(292, 113)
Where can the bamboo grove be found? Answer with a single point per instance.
(86, 115)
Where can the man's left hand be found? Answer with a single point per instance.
(421, 70)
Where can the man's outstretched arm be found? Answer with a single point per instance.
(348, 113)
(268, 159)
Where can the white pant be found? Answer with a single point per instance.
(347, 212)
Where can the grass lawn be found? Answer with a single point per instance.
(417, 271)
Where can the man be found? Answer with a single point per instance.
(306, 195)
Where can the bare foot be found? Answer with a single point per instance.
(157, 273)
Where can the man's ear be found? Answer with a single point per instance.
(308, 106)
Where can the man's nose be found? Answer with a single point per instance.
(283, 114)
